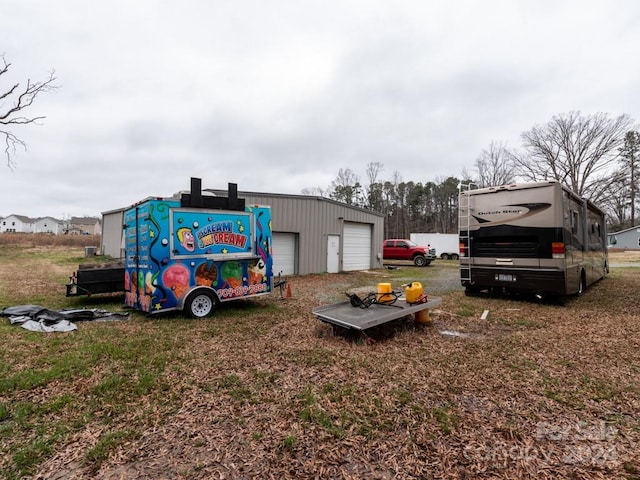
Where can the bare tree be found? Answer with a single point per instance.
(373, 191)
(495, 166)
(616, 205)
(374, 169)
(576, 150)
(347, 188)
(13, 103)
(630, 159)
(315, 191)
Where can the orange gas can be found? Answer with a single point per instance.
(382, 289)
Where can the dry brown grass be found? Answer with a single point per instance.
(533, 391)
(45, 239)
(617, 255)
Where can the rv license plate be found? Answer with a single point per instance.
(505, 277)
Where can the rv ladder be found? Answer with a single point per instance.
(464, 220)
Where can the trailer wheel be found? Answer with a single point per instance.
(200, 304)
(420, 261)
(454, 257)
(444, 256)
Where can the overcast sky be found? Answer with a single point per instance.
(277, 96)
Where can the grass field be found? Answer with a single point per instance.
(265, 390)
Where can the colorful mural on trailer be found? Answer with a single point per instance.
(172, 250)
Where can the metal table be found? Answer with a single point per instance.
(347, 316)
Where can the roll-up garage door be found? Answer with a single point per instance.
(284, 253)
(356, 247)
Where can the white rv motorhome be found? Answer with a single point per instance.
(538, 238)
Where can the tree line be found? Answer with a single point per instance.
(597, 156)
(407, 206)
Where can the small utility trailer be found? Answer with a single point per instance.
(96, 278)
(359, 318)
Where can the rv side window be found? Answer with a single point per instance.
(574, 221)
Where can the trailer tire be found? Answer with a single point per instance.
(420, 261)
(444, 256)
(454, 256)
(200, 304)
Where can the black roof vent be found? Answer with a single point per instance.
(195, 199)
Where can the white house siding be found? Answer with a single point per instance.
(48, 225)
(16, 224)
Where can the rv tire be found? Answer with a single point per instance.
(471, 291)
(582, 284)
(200, 304)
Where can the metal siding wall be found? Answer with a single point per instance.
(628, 240)
(313, 218)
(112, 234)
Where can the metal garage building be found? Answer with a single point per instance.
(628, 239)
(310, 234)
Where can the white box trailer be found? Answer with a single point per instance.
(539, 238)
(446, 245)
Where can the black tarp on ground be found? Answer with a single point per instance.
(41, 319)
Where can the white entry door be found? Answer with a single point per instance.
(333, 253)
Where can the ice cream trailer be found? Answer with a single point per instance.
(195, 252)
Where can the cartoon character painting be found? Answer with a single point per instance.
(186, 239)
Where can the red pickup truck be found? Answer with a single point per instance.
(402, 249)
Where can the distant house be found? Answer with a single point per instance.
(16, 224)
(48, 225)
(628, 239)
(84, 226)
